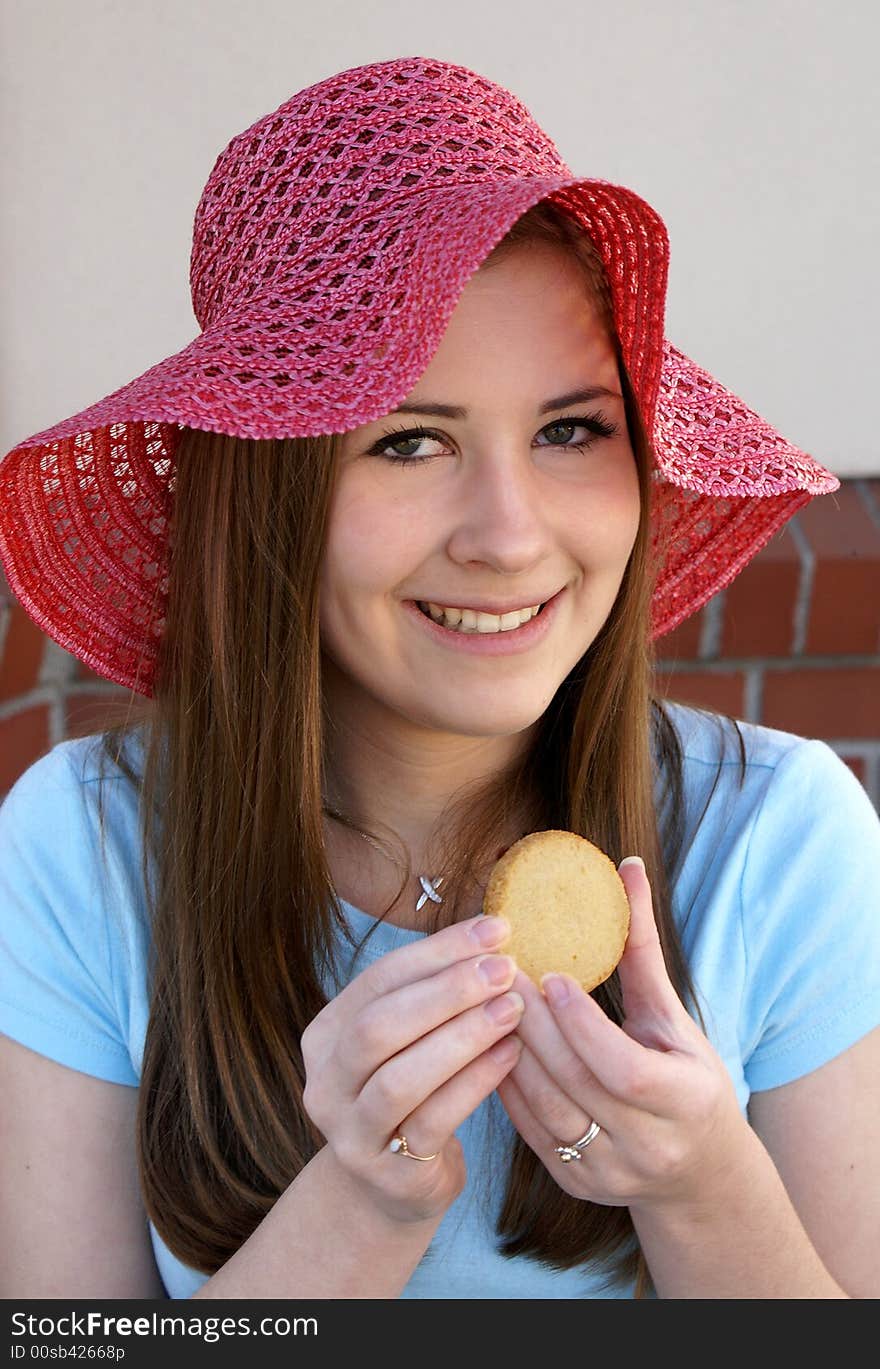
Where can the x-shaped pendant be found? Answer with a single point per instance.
(430, 889)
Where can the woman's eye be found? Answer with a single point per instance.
(563, 428)
(412, 438)
(560, 433)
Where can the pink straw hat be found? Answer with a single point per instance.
(330, 246)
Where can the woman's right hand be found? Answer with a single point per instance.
(412, 1046)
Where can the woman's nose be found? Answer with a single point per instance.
(501, 519)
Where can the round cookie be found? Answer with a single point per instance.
(566, 905)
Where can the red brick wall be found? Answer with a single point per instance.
(793, 643)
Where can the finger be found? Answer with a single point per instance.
(542, 1035)
(439, 1116)
(629, 1071)
(533, 1133)
(403, 1083)
(388, 1025)
(644, 978)
(561, 1114)
(420, 959)
(532, 1129)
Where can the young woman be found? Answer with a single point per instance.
(385, 550)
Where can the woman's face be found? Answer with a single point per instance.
(518, 501)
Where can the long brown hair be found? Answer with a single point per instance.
(242, 910)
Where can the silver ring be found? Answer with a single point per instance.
(573, 1152)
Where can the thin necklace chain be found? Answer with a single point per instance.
(429, 886)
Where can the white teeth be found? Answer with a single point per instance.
(469, 620)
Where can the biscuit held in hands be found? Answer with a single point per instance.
(566, 905)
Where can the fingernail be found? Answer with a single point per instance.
(488, 931)
(556, 989)
(507, 1050)
(505, 1009)
(496, 969)
(631, 860)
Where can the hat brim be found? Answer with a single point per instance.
(307, 355)
(85, 503)
(725, 481)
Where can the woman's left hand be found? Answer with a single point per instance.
(671, 1126)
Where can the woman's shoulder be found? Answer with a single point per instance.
(726, 753)
(748, 776)
(775, 895)
(71, 839)
(711, 738)
(73, 811)
(68, 767)
(72, 913)
(76, 809)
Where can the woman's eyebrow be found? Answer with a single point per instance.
(582, 396)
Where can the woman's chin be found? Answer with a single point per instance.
(496, 718)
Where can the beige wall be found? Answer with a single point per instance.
(751, 126)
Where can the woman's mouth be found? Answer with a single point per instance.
(471, 620)
(485, 634)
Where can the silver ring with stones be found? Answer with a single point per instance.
(573, 1152)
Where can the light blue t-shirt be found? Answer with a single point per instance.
(781, 880)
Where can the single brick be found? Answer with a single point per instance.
(22, 654)
(683, 642)
(722, 691)
(24, 738)
(845, 602)
(760, 605)
(829, 703)
(857, 766)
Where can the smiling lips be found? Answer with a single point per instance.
(473, 620)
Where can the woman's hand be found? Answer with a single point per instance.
(670, 1121)
(411, 1047)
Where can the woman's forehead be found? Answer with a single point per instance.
(523, 337)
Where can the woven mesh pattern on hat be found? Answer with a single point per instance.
(89, 560)
(725, 482)
(709, 440)
(334, 236)
(701, 543)
(348, 355)
(287, 191)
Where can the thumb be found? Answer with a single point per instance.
(644, 979)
